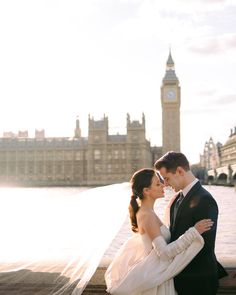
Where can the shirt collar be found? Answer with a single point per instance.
(189, 186)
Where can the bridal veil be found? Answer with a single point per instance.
(62, 245)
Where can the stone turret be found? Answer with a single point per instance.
(77, 128)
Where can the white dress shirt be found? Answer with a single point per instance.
(189, 186)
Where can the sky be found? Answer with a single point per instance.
(63, 59)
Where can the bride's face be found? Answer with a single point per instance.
(156, 190)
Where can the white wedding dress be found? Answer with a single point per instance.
(143, 267)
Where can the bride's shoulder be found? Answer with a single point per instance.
(147, 219)
(147, 214)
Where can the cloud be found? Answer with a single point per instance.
(113, 13)
(208, 92)
(230, 98)
(198, 111)
(205, 4)
(208, 106)
(214, 45)
(227, 99)
(213, 1)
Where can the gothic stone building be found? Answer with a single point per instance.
(98, 159)
(170, 100)
(228, 150)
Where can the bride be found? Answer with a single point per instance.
(146, 263)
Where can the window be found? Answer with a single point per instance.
(116, 154)
(97, 168)
(109, 155)
(96, 138)
(123, 154)
(109, 170)
(68, 155)
(97, 154)
(59, 155)
(78, 156)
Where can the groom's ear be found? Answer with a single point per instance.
(180, 170)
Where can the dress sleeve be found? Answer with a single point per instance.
(168, 251)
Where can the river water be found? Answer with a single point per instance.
(20, 205)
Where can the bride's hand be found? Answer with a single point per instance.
(203, 225)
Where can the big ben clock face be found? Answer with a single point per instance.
(170, 95)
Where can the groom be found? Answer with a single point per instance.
(192, 204)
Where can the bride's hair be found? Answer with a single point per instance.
(141, 179)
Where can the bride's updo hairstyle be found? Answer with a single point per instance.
(140, 180)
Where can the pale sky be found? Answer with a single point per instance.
(62, 59)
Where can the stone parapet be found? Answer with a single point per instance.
(97, 286)
(42, 284)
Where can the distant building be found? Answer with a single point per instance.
(228, 150)
(23, 134)
(211, 155)
(9, 134)
(219, 161)
(98, 159)
(39, 133)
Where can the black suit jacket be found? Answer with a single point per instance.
(197, 204)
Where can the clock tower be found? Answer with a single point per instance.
(170, 100)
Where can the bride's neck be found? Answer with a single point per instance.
(147, 204)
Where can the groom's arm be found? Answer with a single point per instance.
(208, 209)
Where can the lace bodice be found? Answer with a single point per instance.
(147, 241)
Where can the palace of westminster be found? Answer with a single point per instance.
(100, 158)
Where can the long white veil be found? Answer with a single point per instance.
(63, 254)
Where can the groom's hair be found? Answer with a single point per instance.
(172, 160)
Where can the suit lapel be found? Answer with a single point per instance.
(183, 204)
(172, 212)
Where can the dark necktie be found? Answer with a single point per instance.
(177, 204)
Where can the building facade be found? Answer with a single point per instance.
(228, 150)
(98, 159)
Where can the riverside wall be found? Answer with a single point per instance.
(44, 284)
(97, 286)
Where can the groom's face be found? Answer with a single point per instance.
(171, 178)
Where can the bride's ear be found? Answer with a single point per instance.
(145, 191)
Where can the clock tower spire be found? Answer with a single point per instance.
(170, 100)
